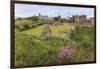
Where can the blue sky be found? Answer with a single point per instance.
(25, 10)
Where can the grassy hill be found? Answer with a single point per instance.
(55, 30)
(29, 50)
(34, 51)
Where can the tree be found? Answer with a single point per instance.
(33, 18)
(71, 20)
(19, 18)
(56, 18)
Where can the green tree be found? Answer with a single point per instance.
(56, 18)
(33, 18)
(19, 18)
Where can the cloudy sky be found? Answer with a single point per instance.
(25, 10)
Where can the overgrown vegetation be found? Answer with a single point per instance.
(23, 24)
(30, 49)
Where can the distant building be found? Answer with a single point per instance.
(90, 21)
(79, 19)
(43, 18)
(50, 20)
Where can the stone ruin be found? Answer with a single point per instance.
(46, 33)
(79, 19)
(67, 33)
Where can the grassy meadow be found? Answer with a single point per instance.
(55, 30)
(30, 49)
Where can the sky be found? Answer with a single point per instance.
(26, 10)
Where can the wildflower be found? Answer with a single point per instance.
(65, 52)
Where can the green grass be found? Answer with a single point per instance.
(55, 30)
(31, 50)
(85, 39)
(20, 22)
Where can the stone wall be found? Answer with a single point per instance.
(79, 19)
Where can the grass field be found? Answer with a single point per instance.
(30, 50)
(55, 30)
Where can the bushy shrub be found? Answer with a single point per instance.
(83, 37)
(22, 24)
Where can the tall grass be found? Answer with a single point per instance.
(31, 50)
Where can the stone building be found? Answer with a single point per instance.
(79, 19)
(50, 20)
(90, 21)
(43, 18)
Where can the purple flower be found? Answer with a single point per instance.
(65, 52)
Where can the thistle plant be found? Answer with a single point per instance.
(65, 52)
